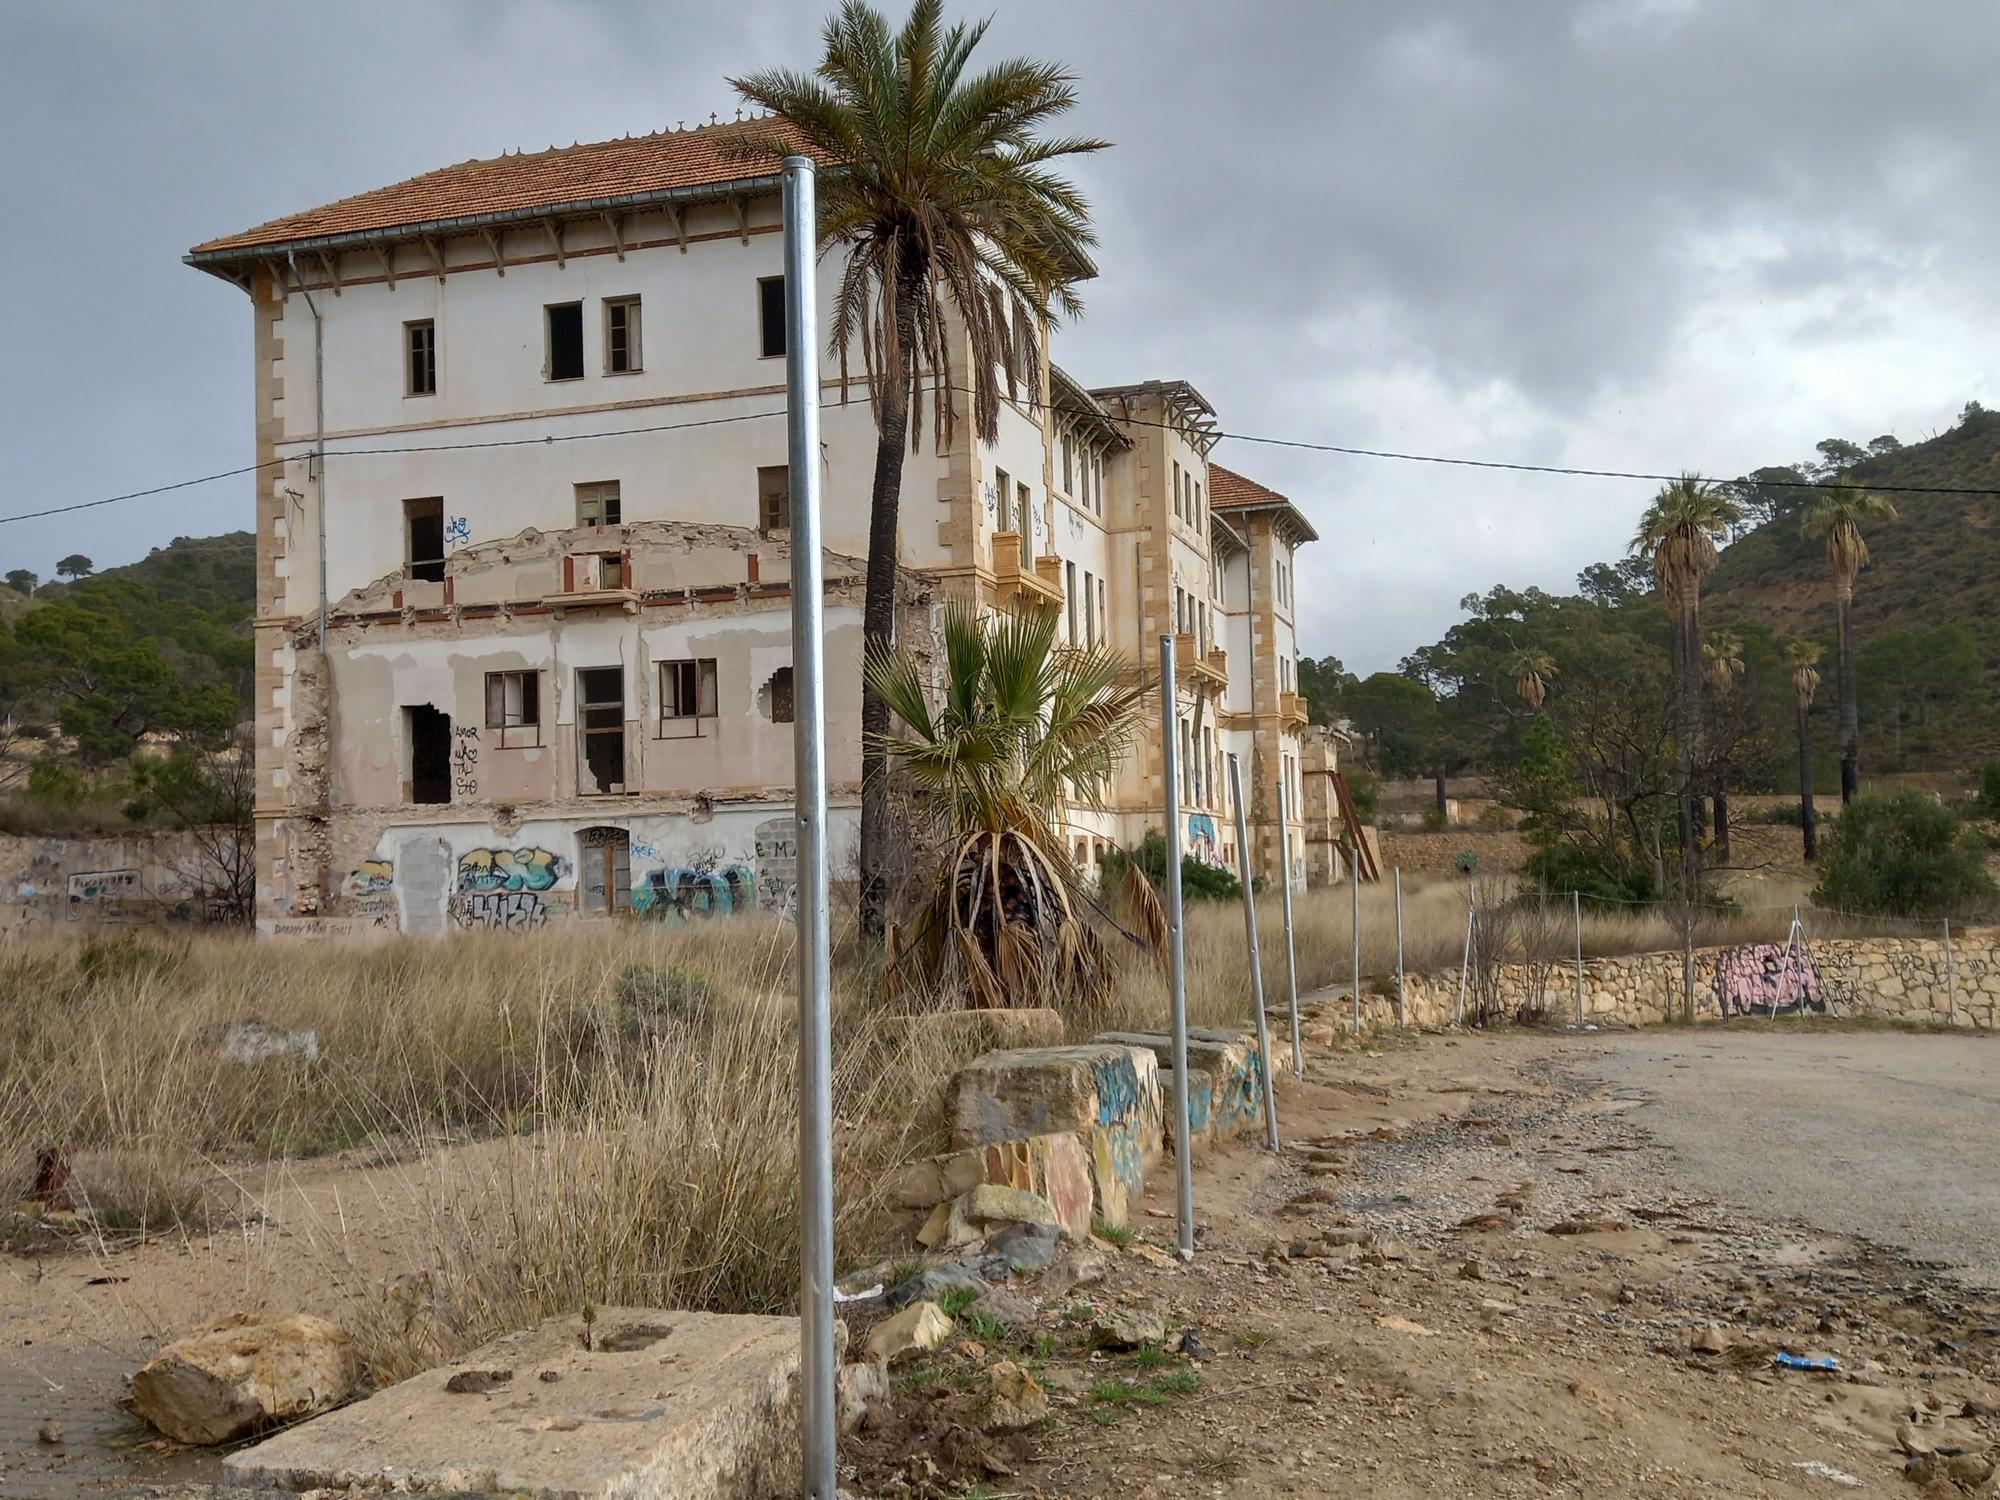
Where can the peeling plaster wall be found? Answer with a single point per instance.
(58, 884)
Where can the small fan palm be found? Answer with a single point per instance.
(956, 234)
(1532, 668)
(1019, 731)
(1722, 660)
(1838, 515)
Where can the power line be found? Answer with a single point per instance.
(1302, 444)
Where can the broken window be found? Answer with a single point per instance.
(611, 570)
(687, 696)
(771, 316)
(423, 539)
(1069, 597)
(427, 733)
(1003, 488)
(600, 721)
(597, 504)
(420, 368)
(1024, 523)
(1069, 464)
(1089, 610)
(774, 498)
(621, 335)
(514, 708)
(777, 697)
(565, 341)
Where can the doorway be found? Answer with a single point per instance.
(604, 871)
(600, 727)
(427, 732)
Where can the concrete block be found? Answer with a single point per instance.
(1201, 1104)
(1055, 1166)
(1107, 1094)
(668, 1404)
(1229, 1059)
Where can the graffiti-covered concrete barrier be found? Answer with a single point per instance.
(1906, 980)
(1225, 1078)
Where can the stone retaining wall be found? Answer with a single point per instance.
(1892, 979)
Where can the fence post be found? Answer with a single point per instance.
(1465, 964)
(1355, 932)
(1291, 950)
(1176, 948)
(1256, 964)
(1402, 1009)
(1576, 906)
(1950, 979)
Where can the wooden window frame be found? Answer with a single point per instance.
(765, 525)
(707, 694)
(601, 491)
(412, 387)
(411, 562)
(634, 335)
(549, 310)
(525, 732)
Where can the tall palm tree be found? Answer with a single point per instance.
(1838, 516)
(959, 244)
(1532, 668)
(1804, 658)
(1021, 729)
(1679, 532)
(1721, 665)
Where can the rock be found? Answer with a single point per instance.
(1013, 1399)
(1056, 1166)
(859, 1386)
(977, 1211)
(1128, 1328)
(1913, 1442)
(1711, 1340)
(1006, 1309)
(1972, 1470)
(1027, 1247)
(1084, 1266)
(667, 1403)
(1393, 1250)
(933, 1282)
(239, 1375)
(920, 1326)
(1590, 1395)
(254, 1042)
(1397, 1323)
(49, 1432)
(1189, 1343)
(936, 1227)
(1589, 1226)
(1474, 1269)
(479, 1382)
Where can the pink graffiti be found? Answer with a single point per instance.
(1767, 978)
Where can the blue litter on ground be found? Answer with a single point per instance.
(1791, 1361)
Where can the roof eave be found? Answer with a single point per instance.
(213, 261)
(1288, 516)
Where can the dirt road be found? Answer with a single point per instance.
(1891, 1137)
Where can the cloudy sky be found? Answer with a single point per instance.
(1636, 234)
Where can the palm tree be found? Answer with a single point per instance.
(1022, 729)
(1838, 515)
(1532, 668)
(1804, 657)
(1679, 531)
(958, 242)
(1721, 665)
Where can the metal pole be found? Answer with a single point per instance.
(1176, 953)
(1354, 932)
(1465, 963)
(1402, 1010)
(1950, 979)
(1256, 963)
(1291, 950)
(1576, 905)
(818, 1433)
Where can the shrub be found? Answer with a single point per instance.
(1496, 819)
(1905, 855)
(1365, 787)
(1989, 789)
(1434, 820)
(1200, 881)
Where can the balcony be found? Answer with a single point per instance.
(1293, 711)
(1039, 582)
(1192, 666)
(594, 580)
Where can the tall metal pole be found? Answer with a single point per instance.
(1256, 964)
(1354, 932)
(1950, 979)
(818, 1433)
(1176, 952)
(1402, 1008)
(1291, 950)
(1576, 906)
(1465, 964)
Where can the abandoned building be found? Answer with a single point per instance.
(523, 601)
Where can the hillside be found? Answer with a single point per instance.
(1932, 691)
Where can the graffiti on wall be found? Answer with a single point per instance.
(499, 910)
(372, 877)
(777, 856)
(1767, 979)
(102, 894)
(708, 887)
(465, 761)
(509, 870)
(1201, 842)
(457, 532)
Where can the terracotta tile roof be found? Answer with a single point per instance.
(1229, 490)
(527, 181)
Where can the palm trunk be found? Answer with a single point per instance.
(1437, 786)
(1808, 820)
(1850, 713)
(1687, 719)
(878, 623)
(1721, 822)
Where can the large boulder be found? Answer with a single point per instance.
(240, 1375)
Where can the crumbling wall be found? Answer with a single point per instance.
(66, 884)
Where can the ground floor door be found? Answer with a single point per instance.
(604, 871)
